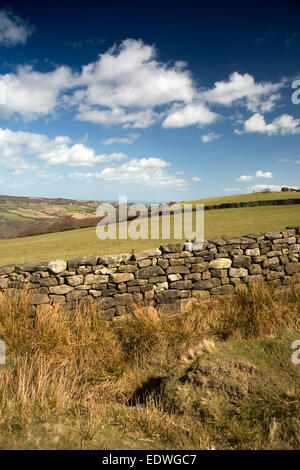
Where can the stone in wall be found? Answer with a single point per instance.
(170, 275)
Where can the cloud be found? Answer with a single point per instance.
(262, 187)
(191, 114)
(127, 82)
(16, 146)
(210, 137)
(145, 171)
(76, 155)
(108, 117)
(282, 125)
(31, 94)
(243, 90)
(130, 76)
(258, 174)
(121, 140)
(129, 86)
(245, 178)
(13, 30)
(261, 174)
(196, 179)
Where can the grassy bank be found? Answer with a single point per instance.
(85, 242)
(74, 382)
(271, 196)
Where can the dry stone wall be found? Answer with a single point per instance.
(170, 275)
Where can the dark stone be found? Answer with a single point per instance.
(181, 284)
(123, 299)
(292, 268)
(178, 270)
(150, 271)
(240, 261)
(207, 283)
(82, 261)
(218, 241)
(222, 290)
(8, 269)
(108, 292)
(167, 296)
(105, 302)
(76, 295)
(48, 281)
(40, 299)
(172, 248)
(32, 267)
(108, 314)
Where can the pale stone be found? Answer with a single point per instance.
(122, 277)
(220, 263)
(253, 252)
(238, 272)
(96, 279)
(175, 277)
(57, 266)
(75, 280)
(161, 286)
(60, 290)
(146, 254)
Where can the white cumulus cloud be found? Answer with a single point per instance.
(191, 114)
(145, 171)
(242, 89)
(282, 125)
(245, 178)
(16, 147)
(127, 82)
(258, 174)
(266, 174)
(32, 94)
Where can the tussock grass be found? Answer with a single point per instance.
(70, 379)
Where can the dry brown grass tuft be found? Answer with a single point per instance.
(70, 377)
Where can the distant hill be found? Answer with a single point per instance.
(21, 216)
(25, 216)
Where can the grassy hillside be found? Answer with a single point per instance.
(23, 216)
(72, 381)
(85, 242)
(248, 197)
(19, 214)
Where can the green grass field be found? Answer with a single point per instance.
(248, 197)
(64, 245)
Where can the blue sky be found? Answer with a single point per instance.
(165, 101)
